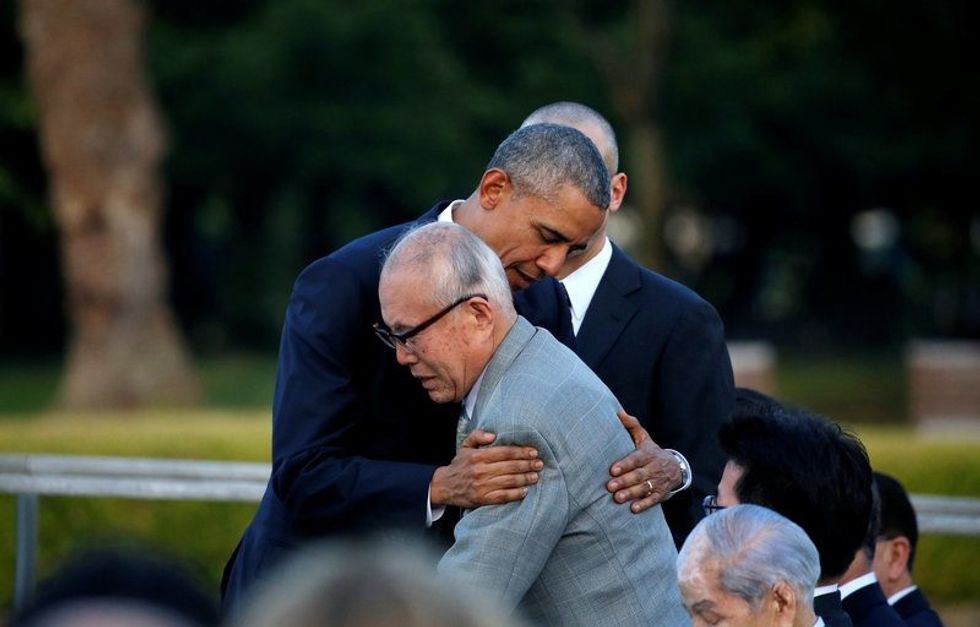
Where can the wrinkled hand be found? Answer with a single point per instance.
(648, 462)
(485, 476)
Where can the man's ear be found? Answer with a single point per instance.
(783, 598)
(899, 549)
(494, 186)
(617, 191)
(482, 312)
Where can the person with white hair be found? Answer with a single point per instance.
(565, 554)
(749, 566)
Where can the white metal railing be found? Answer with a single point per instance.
(32, 476)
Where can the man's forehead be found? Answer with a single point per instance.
(401, 294)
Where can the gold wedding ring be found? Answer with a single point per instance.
(649, 487)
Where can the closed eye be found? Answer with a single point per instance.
(551, 236)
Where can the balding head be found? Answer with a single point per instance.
(586, 120)
(446, 306)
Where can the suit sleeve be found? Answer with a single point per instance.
(316, 476)
(501, 549)
(694, 396)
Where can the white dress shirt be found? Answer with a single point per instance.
(446, 215)
(901, 594)
(582, 284)
(822, 590)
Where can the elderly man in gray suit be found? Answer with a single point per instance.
(565, 554)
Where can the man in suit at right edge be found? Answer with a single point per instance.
(895, 555)
(658, 346)
(861, 596)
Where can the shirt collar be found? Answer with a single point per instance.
(822, 590)
(446, 215)
(582, 284)
(819, 622)
(856, 584)
(901, 594)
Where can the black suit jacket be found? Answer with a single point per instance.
(868, 607)
(915, 610)
(661, 349)
(828, 607)
(355, 440)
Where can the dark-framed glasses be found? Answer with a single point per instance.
(394, 340)
(710, 505)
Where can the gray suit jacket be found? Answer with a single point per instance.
(566, 554)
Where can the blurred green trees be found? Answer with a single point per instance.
(817, 154)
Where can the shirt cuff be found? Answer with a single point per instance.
(686, 475)
(432, 515)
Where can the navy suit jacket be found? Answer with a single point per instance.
(828, 607)
(355, 439)
(915, 610)
(661, 349)
(868, 607)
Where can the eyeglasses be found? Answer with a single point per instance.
(710, 505)
(394, 340)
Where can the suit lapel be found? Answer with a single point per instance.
(610, 311)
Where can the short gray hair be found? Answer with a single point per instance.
(454, 262)
(575, 114)
(540, 158)
(755, 548)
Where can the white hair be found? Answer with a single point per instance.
(754, 548)
(453, 263)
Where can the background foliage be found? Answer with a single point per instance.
(296, 125)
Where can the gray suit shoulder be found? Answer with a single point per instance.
(548, 392)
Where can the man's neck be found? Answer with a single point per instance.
(473, 390)
(805, 617)
(893, 586)
(469, 213)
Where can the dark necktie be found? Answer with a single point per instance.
(565, 330)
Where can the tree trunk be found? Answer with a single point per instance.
(629, 55)
(102, 142)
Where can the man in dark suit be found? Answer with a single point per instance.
(357, 446)
(895, 555)
(807, 469)
(656, 344)
(861, 596)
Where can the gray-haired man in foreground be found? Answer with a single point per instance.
(566, 553)
(749, 566)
